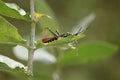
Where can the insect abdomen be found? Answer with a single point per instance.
(47, 40)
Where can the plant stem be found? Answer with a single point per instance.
(32, 39)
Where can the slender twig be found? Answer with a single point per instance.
(32, 39)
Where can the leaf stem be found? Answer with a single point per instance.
(32, 39)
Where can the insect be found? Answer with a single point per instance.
(56, 36)
(79, 29)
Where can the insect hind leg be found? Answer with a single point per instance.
(52, 32)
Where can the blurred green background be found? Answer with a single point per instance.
(106, 27)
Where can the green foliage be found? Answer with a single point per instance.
(86, 53)
(18, 72)
(60, 41)
(9, 12)
(42, 7)
(9, 34)
(65, 40)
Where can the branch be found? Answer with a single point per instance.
(32, 39)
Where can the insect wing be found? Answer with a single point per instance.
(83, 24)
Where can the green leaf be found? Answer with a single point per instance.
(43, 8)
(9, 34)
(60, 41)
(18, 72)
(12, 67)
(89, 52)
(10, 12)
